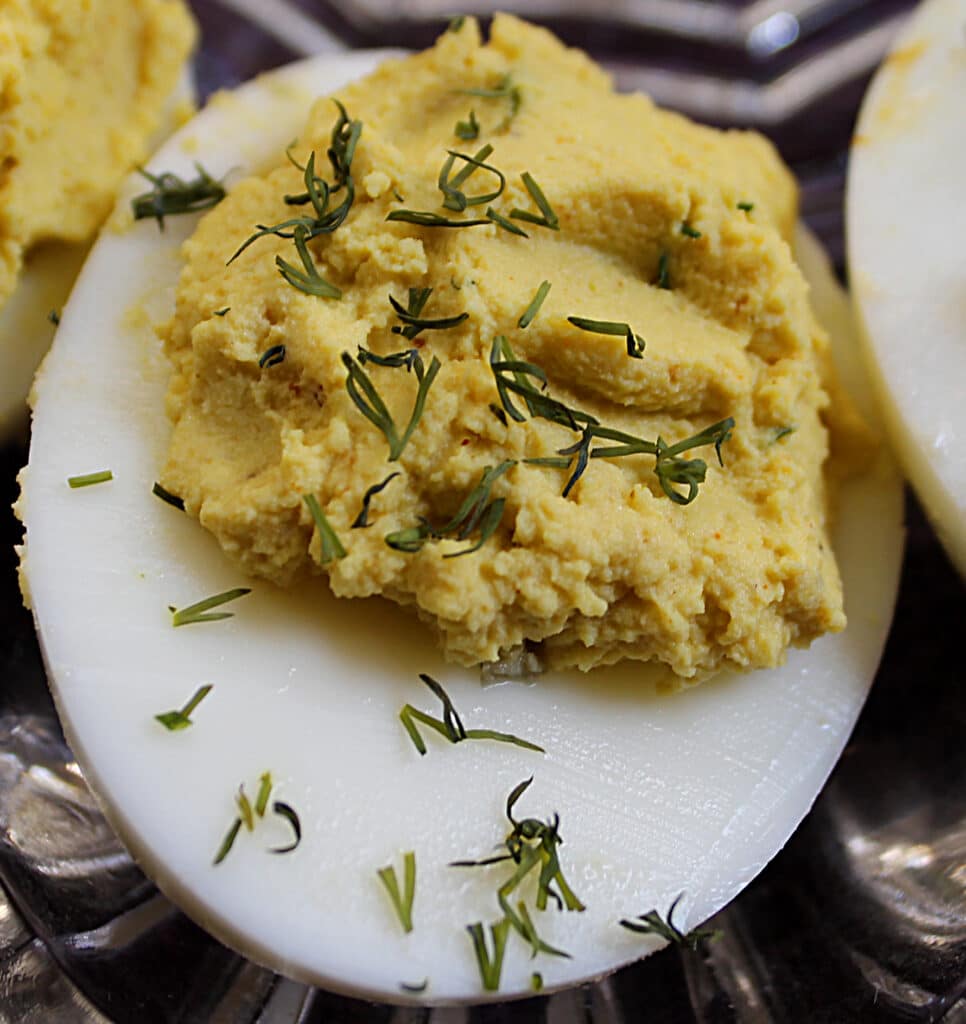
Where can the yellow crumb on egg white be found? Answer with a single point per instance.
(616, 570)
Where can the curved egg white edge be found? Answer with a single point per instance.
(47, 276)
(906, 217)
(658, 795)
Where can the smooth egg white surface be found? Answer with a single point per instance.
(906, 216)
(658, 795)
(48, 274)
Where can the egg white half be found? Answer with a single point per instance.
(48, 274)
(658, 795)
(906, 215)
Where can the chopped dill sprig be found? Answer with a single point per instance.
(450, 726)
(362, 519)
(172, 195)
(413, 323)
(635, 343)
(673, 471)
(663, 272)
(547, 218)
(746, 206)
(410, 358)
(476, 512)
(652, 923)
(432, 220)
(536, 981)
(228, 842)
(507, 225)
(308, 280)
(272, 356)
(249, 814)
(54, 317)
(343, 141)
(689, 231)
(175, 721)
(264, 792)
(103, 476)
(535, 303)
(201, 610)
(469, 129)
(222, 312)
(513, 375)
(491, 966)
(402, 899)
(165, 495)
(284, 810)
(245, 812)
(779, 432)
(531, 845)
(505, 89)
(369, 402)
(456, 23)
(453, 196)
(330, 546)
(414, 988)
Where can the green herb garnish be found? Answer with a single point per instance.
(652, 923)
(451, 187)
(288, 813)
(330, 546)
(491, 967)
(416, 988)
(513, 375)
(450, 726)
(663, 275)
(413, 323)
(201, 611)
(476, 512)
(89, 479)
(54, 317)
(780, 432)
(272, 356)
(456, 23)
(469, 129)
(318, 192)
(228, 842)
(308, 280)
(410, 358)
(362, 519)
(175, 721)
(746, 206)
(245, 811)
(531, 844)
(173, 195)
(165, 495)
(431, 220)
(547, 218)
(250, 814)
(536, 981)
(689, 231)
(222, 312)
(635, 343)
(504, 90)
(264, 792)
(535, 303)
(402, 899)
(368, 401)
(507, 225)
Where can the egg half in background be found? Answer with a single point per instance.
(27, 318)
(657, 795)
(906, 219)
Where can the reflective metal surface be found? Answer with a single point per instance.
(861, 918)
